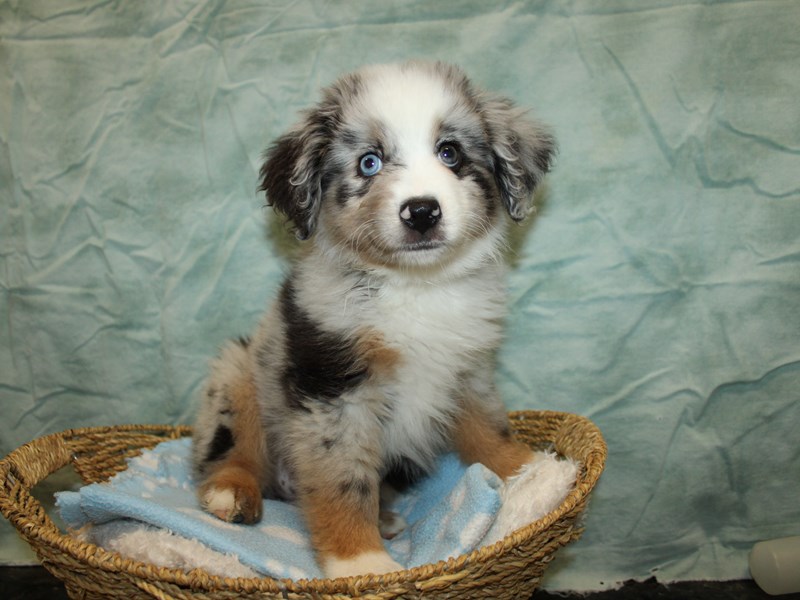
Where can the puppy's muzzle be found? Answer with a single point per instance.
(421, 214)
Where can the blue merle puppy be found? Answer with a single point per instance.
(378, 353)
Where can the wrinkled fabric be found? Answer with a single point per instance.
(657, 291)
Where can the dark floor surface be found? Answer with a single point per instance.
(34, 583)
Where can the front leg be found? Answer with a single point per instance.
(482, 435)
(337, 465)
(229, 448)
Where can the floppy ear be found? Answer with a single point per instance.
(292, 176)
(523, 151)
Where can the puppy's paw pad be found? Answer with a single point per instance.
(375, 563)
(233, 505)
(390, 524)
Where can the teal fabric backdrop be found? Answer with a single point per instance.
(657, 291)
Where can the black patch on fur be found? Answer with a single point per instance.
(471, 141)
(357, 487)
(347, 189)
(222, 442)
(320, 365)
(244, 341)
(487, 185)
(484, 181)
(350, 138)
(404, 473)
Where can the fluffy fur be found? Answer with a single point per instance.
(378, 353)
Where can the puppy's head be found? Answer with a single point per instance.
(407, 165)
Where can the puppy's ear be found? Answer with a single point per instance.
(294, 174)
(523, 151)
(287, 176)
(292, 177)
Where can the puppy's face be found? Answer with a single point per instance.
(410, 177)
(406, 166)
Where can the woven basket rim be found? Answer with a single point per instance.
(97, 557)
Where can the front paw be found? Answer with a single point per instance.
(375, 563)
(233, 496)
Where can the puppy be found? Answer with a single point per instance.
(378, 353)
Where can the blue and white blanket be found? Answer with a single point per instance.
(449, 513)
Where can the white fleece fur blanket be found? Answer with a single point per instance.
(149, 513)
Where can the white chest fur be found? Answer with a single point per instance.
(440, 329)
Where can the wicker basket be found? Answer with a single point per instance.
(511, 568)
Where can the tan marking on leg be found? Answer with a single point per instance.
(232, 489)
(248, 431)
(478, 440)
(342, 526)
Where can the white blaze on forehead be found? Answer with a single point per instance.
(409, 103)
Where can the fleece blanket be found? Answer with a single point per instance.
(454, 511)
(656, 291)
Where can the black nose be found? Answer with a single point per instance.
(420, 214)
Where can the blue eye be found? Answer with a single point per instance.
(370, 164)
(449, 155)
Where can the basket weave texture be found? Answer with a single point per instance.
(510, 569)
